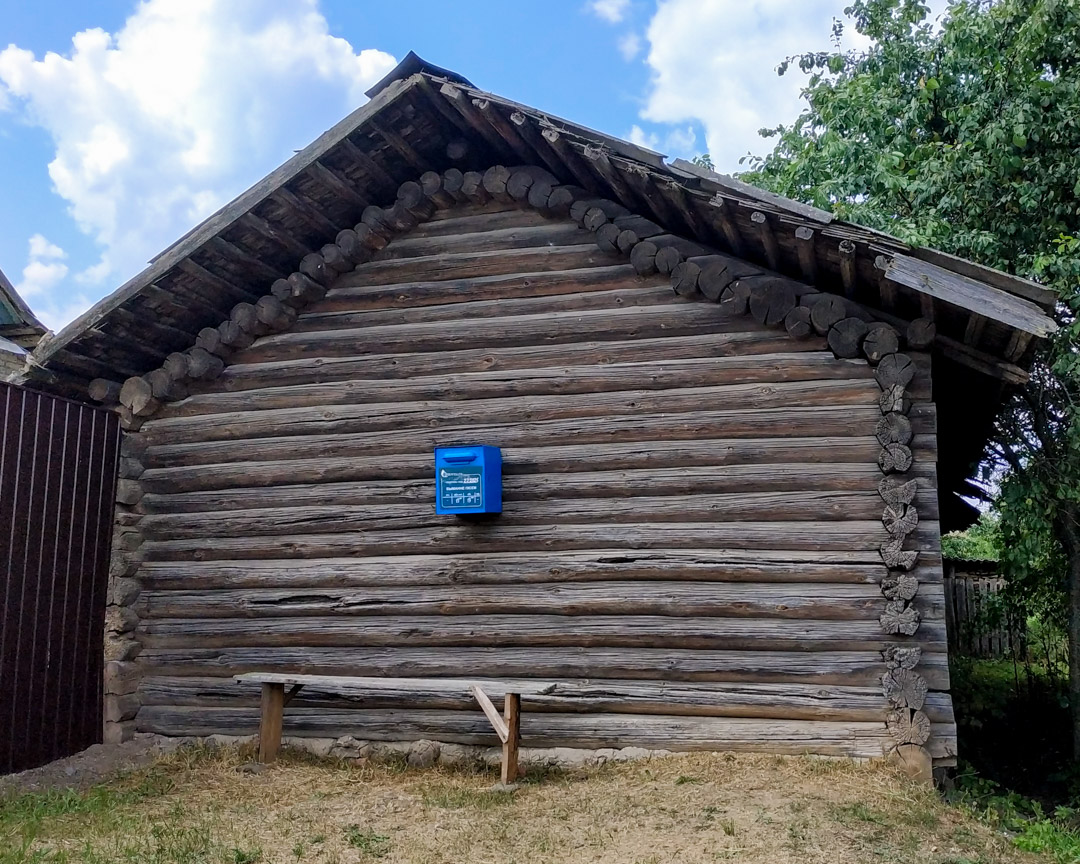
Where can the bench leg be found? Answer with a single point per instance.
(273, 706)
(512, 715)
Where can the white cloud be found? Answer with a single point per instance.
(159, 124)
(677, 142)
(45, 270)
(714, 61)
(612, 11)
(629, 46)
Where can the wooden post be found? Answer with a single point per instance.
(273, 706)
(512, 715)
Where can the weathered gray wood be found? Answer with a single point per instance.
(458, 538)
(827, 311)
(905, 688)
(794, 737)
(350, 440)
(738, 370)
(372, 416)
(791, 701)
(513, 568)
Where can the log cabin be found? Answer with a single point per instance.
(732, 430)
(20, 330)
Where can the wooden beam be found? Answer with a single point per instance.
(512, 715)
(561, 143)
(1018, 344)
(804, 243)
(403, 147)
(970, 295)
(848, 272)
(676, 194)
(767, 238)
(244, 259)
(537, 141)
(468, 112)
(280, 236)
(490, 114)
(973, 332)
(373, 169)
(337, 184)
(271, 713)
(496, 720)
(307, 212)
(730, 230)
(232, 293)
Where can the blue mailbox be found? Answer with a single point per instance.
(468, 480)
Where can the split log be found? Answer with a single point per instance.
(431, 182)
(540, 193)
(735, 299)
(826, 312)
(893, 491)
(352, 250)
(894, 400)
(908, 727)
(894, 459)
(667, 259)
(901, 586)
(411, 197)
(453, 180)
(283, 291)
(715, 276)
(368, 238)
(375, 219)
(607, 238)
(314, 267)
(247, 319)
(104, 391)
(519, 182)
(164, 387)
(594, 219)
(798, 323)
(893, 428)
(900, 519)
(920, 334)
(306, 289)
(845, 337)
(560, 200)
(896, 557)
(627, 240)
(684, 278)
(643, 258)
(273, 315)
(904, 688)
(202, 365)
(176, 366)
(210, 339)
(495, 182)
(895, 369)
(902, 656)
(233, 335)
(771, 300)
(899, 619)
(917, 763)
(583, 204)
(335, 259)
(472, 187)
(400, 218)
(880, 341)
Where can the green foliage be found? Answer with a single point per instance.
(1056, 834)
(964, 135)
(704, 160)
(370, 843)
(980, 542)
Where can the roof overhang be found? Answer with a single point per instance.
(422, 117)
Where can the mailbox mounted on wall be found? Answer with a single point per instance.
(468, 480)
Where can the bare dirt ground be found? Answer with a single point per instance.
(196, 805)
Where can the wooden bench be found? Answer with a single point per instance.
(274, 699)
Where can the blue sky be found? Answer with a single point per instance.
(123, 124)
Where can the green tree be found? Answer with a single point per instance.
(964, 135)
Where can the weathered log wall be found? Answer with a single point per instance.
(691, 540)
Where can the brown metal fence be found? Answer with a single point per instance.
(57, 484)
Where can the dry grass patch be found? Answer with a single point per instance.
(200, 807)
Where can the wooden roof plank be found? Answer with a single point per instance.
(966, 293)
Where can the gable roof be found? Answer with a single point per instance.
(422, 117)
(17, 323)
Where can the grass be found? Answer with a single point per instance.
(196, 807)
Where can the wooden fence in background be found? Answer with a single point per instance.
(973, 630)
(57, 484)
